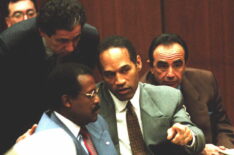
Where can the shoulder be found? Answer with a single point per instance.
(100, 124)
(199, 77)
(19, 35)
(158, 90)
(160, 94)
(89, 32)
(197, 73)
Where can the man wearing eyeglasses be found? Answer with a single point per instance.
(29, 50)
(74, 106)
(19, 10)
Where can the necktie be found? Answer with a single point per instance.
(88, 141)
(134, 132)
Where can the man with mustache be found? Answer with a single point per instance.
(74, 104)
(29, 50)
(162, 124)
(168, 55)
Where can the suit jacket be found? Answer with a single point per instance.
(203, 102)
(98, 131)
(160, 108)
(24, 69)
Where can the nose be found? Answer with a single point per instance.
(96, 99)
(170, 73)
(70, 47)
(120, 80)
(25, 17)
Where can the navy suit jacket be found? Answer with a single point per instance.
(98, 131)
(23, 74)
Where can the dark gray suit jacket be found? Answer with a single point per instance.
(203, 102)
(24, 69)
(98, 131)
(160, 108)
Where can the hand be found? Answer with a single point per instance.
(211, 149)
(28, 133)
(179, 134)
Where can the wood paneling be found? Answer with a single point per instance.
(138, 20)
(207, 27)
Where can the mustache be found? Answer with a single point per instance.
(96, 108)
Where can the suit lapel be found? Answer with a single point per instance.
(107, 110)
(152, 118)
(191, 97)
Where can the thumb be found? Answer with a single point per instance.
(170, 133)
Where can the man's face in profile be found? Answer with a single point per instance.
(19, 11)
(169, 64)
(83, 108)
(63, 42)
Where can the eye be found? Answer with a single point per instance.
(62, 40)
(178, 64)
(31, 13)
(162, 65)
(108, 74)
(125, 69)
(17, 14)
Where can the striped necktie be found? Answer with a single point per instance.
(88, 141)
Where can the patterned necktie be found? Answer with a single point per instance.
(88, 141)
(134, 132)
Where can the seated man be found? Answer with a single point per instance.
(74, 105)
(143, 119)
(19, 10)
(168, 55)
(30, 49)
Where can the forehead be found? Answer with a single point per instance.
(115, 58)
(21, 5)
(169, 52)
(68, 34)
(87, 82)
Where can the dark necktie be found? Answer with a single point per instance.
(134, 132)
(88, 141)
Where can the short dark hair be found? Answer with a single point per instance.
(118, 41)
(63, 80)
(166, 39)
(60, 14)
(7, 2)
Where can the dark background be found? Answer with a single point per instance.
(206, 25)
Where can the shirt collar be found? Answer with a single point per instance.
(48, 51)
(74, 128)
(121, 105)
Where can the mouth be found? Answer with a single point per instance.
(170, 83)
(96, 108)
(123, 91)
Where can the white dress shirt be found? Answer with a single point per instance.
(74, 128)
(120, 111)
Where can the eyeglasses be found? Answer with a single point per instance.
(20, 14)
(92, 94)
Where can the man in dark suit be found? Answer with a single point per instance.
(164, 126)
(168, 54)
(19, 10)
(28, 51)
(74, 104)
